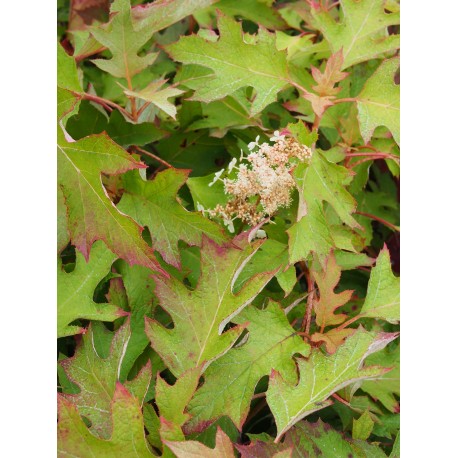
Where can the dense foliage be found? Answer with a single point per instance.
(228, 228)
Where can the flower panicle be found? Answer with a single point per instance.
(263, 183)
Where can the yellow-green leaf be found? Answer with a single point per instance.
(378, 102)
(235, 63)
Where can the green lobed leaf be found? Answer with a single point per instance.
(127, 437)
(383, 292)
(67, 104)
(97, 379)
(362, 427)
(322, 180)
(287, 279)
(333, 443)
(124, 42)
(68, 85)
(310, 440)
(157, 15)
(320, 376)
(230, 381)
(350, 261)
(200, 315)
(318, 182)
(235, 63)
(302, 133)
(272, 253)
(361, 32)
(152, 425)
(67, 75)
(310, 234)
(258, 11)
(75, 291)
(139, 287)
(171, 401)
(154, 204)
(378, 102)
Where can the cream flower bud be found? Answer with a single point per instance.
(263, 183)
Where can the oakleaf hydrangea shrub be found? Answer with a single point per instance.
(228, 228)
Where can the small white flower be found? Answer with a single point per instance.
(232, 165)
(260, 234)
(277, 137)
(200, 208)
(217, 175)
(252, 145)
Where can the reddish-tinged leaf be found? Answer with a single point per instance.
(157, 95)
(67, 104)
(329, 301)
(330, 77)
(199, 316)
(310, 440)
(333, 338)
(127, 436)
(162, 13)
(193, 449)
(63, 238)
(97, 378)
(319, 103)
(91, 214)
(84, 12)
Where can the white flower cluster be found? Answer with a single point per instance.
(263, 182)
